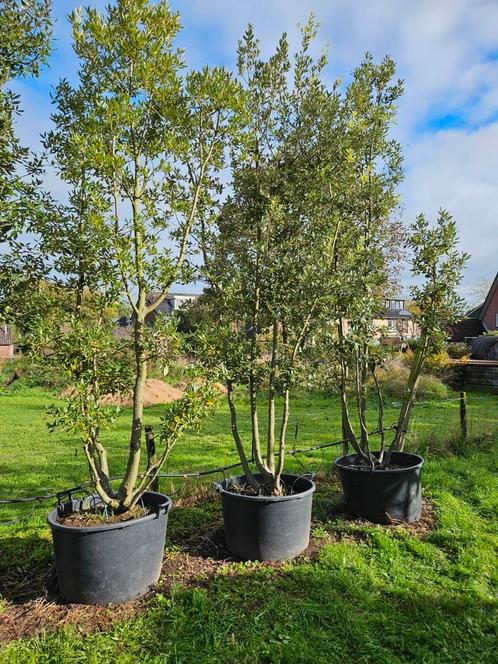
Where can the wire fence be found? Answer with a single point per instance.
(218, 471)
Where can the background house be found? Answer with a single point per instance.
(6, 342)
(171, 303)
(396, 322)
(481, 319)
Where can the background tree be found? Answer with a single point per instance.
(437, 266)
(25, 32)
(477, 293)
(437, 262)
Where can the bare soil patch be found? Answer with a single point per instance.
(156, 392)
(182, 385)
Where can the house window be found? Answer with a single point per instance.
(391, 324)
(496, 321)
(394, 304)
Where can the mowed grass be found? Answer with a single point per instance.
(371, 595)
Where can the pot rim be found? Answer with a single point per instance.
(55, 525)
(418, 463)
(220, 487)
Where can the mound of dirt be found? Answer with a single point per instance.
(156, 392)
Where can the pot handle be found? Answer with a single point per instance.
(163, 507)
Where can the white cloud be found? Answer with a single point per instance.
(439, 45)
(458, 170)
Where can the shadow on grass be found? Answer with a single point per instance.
(27, 570)
(196, 557)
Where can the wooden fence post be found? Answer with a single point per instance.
(151, 454)
(463, 414)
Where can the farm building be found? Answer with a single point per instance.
(172, 303)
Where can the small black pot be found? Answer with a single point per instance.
(110, 563)
(383, 496)
(268, 527)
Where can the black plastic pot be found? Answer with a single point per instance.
(268, 527)
(110, 563)
(383, 496)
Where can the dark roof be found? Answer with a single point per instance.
(471, 326)
(474, 313)
(396, 313)
(466, 329)
(167, 305)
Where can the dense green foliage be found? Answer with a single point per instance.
(25, 32)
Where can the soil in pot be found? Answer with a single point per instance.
(267, 527)
(99, 516)
(110, 562)
(383, 496)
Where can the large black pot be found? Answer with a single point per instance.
(383, 496)
(114, 562)
(268, 527)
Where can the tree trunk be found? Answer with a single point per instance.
(238, 441)
(132, 469)
(270, 450)
(406, 408)
(281, 446)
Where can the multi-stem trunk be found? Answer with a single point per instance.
(361, 395)
(408, 401)
(270, 450)
(126, 489)
(347, 427)
(281, 445)
(380, 419)
(256, 446)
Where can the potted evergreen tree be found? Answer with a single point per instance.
(385, 485)
(259, 258)
(139, 144)
(355, 199)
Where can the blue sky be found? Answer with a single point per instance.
(446, 50)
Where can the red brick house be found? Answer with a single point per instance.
(479, 320)
(6, 343)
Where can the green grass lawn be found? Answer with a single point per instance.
(365, 594)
